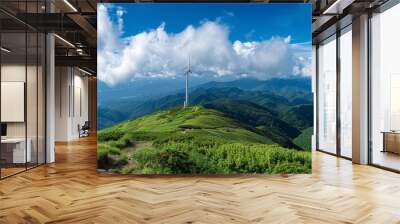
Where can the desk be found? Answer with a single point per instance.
(391, 141)
(13, 150)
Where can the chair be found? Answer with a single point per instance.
(84, 130)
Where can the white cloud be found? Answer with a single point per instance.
(157, 53)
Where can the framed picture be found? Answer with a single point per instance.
(204, 88)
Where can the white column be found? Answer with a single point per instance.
(360, 90)
(50, 99)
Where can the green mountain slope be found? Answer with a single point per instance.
(296, 90)
(202, 96)
(279, 95)
(258, 116)
(304, 139)
(300, 116)
(193, 121)
(108, 117)
(194, 140)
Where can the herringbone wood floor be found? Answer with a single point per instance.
(71, 191)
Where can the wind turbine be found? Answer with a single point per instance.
(189, 71)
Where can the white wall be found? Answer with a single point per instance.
(13, 101)
(62, 81)
(17, 73)
(33, 126)
(12, 73)
(80, 110)
(71, 102)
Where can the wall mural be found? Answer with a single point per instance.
(204, 88)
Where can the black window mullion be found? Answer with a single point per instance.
(26, 86)
(0, 95)
(369, 96)
(338, 78)
(317, 96)
(45, 88)
(37, 90)
(73, 92)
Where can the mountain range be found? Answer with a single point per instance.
(282, 109)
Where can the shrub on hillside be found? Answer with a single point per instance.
(111, 134)
(259, 158)
(105, 159)
(164, 161)
(123, 142)
(181, 157)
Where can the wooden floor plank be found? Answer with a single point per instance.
(71, 191)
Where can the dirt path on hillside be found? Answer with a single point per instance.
(138, 146)
(128, 152)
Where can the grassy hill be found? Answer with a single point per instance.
(194, 140)
(279, 95)
(264, 119)
(304, 139)
(192, 121)
(202, 96)
(275, 105)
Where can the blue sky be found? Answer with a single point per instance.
(148, 41)
(246, 21)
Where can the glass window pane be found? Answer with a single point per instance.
(385, 92)
(13, 86)
(327, 96)
(41, 99)
(23, 90)
(346, 93)
(31, 97)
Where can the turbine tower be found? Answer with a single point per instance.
(186, 103)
